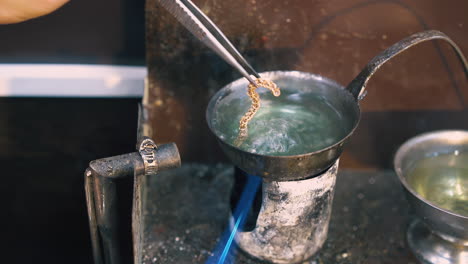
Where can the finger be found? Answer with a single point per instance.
(14, 11)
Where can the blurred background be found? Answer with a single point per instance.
(46, 143)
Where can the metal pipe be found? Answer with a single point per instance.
(95, 238)
(102, 197)
(106, 215)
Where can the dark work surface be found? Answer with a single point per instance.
(369, 220)
(45, 146)
(187, 210)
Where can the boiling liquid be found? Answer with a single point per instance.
(442, 180)
(290, 124)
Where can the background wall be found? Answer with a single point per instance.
(420, 90)
(47, 143)
(86, 31)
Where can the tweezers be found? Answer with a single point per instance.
(192, 18)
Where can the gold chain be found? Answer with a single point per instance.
(255, 98)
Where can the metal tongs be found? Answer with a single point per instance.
(189, 15)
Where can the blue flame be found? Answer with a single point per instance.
(242, 208)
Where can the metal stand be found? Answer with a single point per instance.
(430, 248)
(293, 221)
(101, 194)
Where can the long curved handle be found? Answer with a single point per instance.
(358, 86)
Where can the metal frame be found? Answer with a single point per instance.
(101, 193)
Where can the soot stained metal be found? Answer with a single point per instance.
(292, 224)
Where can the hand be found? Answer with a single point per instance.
(14, 11)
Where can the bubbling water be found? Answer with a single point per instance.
(292, 124)
(252, 93)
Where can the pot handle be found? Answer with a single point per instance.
(358, 86)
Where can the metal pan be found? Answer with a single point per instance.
(344, 99)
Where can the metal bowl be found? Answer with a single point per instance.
(439, 219)
(292, 167)
(439, 235)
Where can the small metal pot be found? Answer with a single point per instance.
(294, 167)
(344, 100)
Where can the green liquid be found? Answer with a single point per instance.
(291, 124)
(443, 180)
